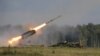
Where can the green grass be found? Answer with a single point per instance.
(50, 51)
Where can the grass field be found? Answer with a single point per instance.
(49, 51)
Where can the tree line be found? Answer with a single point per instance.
(89, 35)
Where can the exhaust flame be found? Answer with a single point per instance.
(38, 27)
(15, 40)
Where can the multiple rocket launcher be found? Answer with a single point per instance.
(32, 32)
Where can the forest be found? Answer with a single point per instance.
(83, 35)
(89, 35)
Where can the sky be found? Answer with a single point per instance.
(38, 11)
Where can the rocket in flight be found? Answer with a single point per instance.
(32, 32)
(53, 19)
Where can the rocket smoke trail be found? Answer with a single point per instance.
(53, 19)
